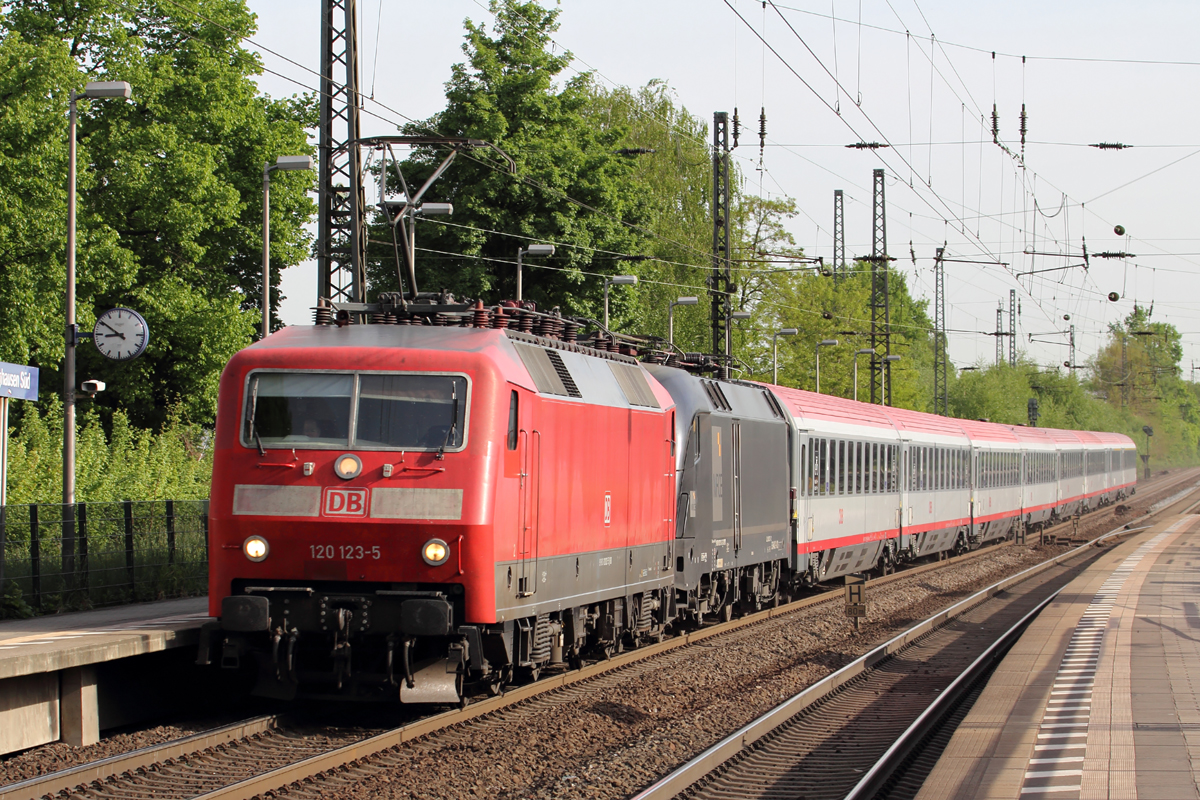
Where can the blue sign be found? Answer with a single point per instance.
(17, 382)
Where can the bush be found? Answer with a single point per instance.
(130, 464)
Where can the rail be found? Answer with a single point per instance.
(304, 768)
(736, 743)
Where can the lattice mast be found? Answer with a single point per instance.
(999, 333)
(881, 375)
(1012, 327)
(839, 235)
(341, 233)
(720, 282)
(941, 399)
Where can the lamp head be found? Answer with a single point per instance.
(539, 250)
(96, 89)
(787, 332)
(891, 358)
(294, 162)
(435, 209)
(866, 351)
(827, 343)
(623, 280)
(687, 301)
(740, 315)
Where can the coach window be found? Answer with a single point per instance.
(858, 468)
(841, 467)
(805, 466)
(822, 466)
(877, 456)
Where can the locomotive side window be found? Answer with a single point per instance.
(411, 411)
(299, 409)
(513, 417)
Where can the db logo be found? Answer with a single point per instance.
(345, 503)
(607, 509)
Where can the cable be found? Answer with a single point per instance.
(824, 102)
(988, 50)
(1147, 175)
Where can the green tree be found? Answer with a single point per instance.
(569, 186)
(169, 189)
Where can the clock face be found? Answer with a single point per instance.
(121, 334)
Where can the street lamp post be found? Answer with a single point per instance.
(683, 301)
(284, 163)
(94, 90)
(887, 365)
(866, 351)
(532, 250)
(615, 280)
(775, 352)
(820, 344)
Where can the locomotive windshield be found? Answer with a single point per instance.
(415, 412)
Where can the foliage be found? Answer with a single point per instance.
(169, 213)
(13, 605)
(129, 464)
(505, 94)
(1122, 394)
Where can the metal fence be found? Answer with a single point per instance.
(103, 554)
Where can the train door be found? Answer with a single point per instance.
(717, 457)
(904, 512)
(689, 483)
(816, 447)
(802, 518)
(974, 501)
(529, 512)
(736, 445)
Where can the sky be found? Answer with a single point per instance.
(918, 75)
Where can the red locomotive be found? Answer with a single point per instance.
(415, 507)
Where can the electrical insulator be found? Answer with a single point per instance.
(762, 131)
(995, 125)
(1023, 127)
(736, 127)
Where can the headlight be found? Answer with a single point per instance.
(347, 466)
(435, 552)
(256, 548)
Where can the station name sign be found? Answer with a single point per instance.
(18, 382)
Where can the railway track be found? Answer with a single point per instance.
(267, 755)
(885, 716)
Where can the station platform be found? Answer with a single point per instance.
(57, 673)
(1100, 698)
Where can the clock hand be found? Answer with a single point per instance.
(115, 333)
(105, 324)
